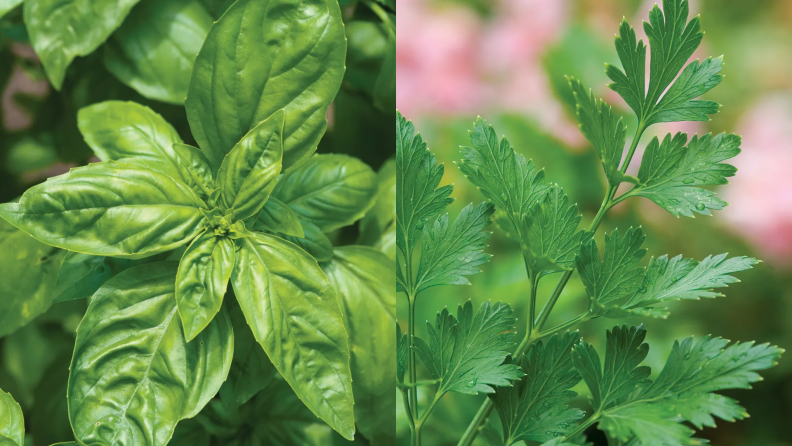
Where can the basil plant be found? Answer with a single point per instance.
(230, 280)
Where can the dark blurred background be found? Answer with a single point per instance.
(506, 61)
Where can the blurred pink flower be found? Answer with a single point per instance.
(760, 199)
(451, 61)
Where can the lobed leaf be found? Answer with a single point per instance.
(451, 251)
(550, 237)
(330, 191)
(535, 407)
(111, 209)
(617, 274)
(610, 384)
(603, 128)
(294, 314)
(674, 172)
(201, 281)
(503, 176)
(155, 49)
(133, 375)
(292, 59)
(467, 353)
(418, 197)
(363, 279)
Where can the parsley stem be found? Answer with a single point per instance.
(532, 312)
(413, 391)
(638, 133)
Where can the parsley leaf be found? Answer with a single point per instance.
(451, 251)
(621, 375)
(683, 392)
(617, 275)
(535, 408)
(550, 236)
(602, 127)
(504, 176)
(683, 278)
(672, 40)
(670, 172)
(419, 199)
(467, 353)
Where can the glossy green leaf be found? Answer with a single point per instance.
(109, 208)
(154, 50)
(466, 354)
(276, 216)
(250, 170)
(82, 274)
(251, 369)
(12, 424)
(61, 30)
(363, 279)
(330, 191)
(7, 5)
(535, 408)
(314, 242)
(202, 280)
(513, 184)
(383, 213)
(292, 59)
(34, 268)
(193, 160)
(294, 314)
(672, 173)
(133, 375)
(131, 133)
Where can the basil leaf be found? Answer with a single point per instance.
(12, 425)
(30, 269)
(82, 274)
(330, 191)
(251, 369)
(154, 50)
(193, 160)
(292, 59)
(363, 279)
(293, 312)
(275, 216)
(131, 133)
(314, 242)
(110, 209)
(250, 170)
(133, 376)
(7, 6)
(61, 30)
(202, 279)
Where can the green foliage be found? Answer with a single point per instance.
(535, 408)
(652, 413)
(182, 202)
(12, 425)
(466, 353)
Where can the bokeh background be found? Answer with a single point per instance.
(506, 61)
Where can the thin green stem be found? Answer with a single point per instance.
(428, 382)
(583, 426)
(473, 428)
(638, 133)
(406, 401)
(411, 358)
(532, 312)
(382, 14)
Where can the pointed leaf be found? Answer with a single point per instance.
(12, 424)
(313, 241)
(250, 170)
(292, 59)
(202, 279)
(330, 191)
(276, 216)
(133, 376)
(292, 309)
(109, 208)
